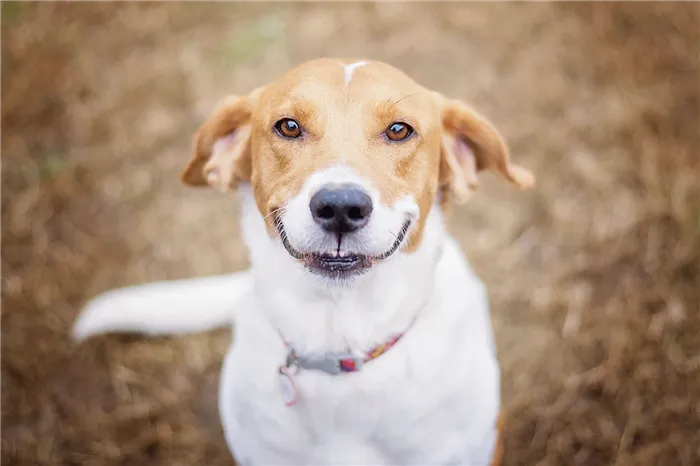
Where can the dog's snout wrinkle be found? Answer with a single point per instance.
(341, 209)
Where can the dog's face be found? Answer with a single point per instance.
(346, 160)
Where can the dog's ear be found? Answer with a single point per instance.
(221, 146)
(469, 145)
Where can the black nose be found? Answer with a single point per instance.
(341, 209)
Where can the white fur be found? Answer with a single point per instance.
(374, 239)
(167, 307)
(350, 69)
(431, 399)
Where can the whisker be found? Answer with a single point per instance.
(404, 97)
(328, 287)
(281, 208)
(364, 248)
(407, 243)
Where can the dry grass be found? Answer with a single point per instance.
(594, 276)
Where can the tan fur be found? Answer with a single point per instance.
(344, 123)
(232, 163)
(498, 451)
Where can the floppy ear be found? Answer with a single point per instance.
(471, 144)
(221, 147)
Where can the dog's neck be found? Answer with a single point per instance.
(316, 317)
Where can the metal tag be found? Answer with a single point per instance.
(289, 389)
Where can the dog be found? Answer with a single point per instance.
(361, 334)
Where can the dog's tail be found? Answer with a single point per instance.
(166, 307)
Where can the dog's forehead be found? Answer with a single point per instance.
(329, 80)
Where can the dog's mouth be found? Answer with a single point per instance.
(341, 264)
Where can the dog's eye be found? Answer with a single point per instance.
(288, 128)
(398, 131)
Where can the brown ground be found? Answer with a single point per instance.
(594, 276)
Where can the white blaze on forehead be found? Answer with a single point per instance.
(350, 69)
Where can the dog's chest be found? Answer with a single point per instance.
(426, 400)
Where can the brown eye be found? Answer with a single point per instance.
(398, 131)
(288, 128)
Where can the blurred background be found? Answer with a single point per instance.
(594, 276)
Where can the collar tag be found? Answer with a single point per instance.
(332, 364)
(289, 389)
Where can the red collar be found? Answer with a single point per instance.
(332, 363)
(335, 363)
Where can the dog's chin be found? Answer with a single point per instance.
(342, 265)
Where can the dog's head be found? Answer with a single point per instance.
(346, 159)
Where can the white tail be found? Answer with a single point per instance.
(167, 307)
